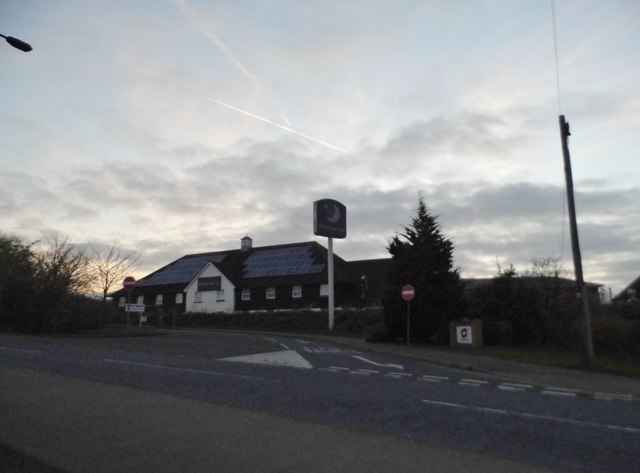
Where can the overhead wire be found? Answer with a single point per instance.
(555, 49)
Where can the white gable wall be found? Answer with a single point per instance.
(210, 301)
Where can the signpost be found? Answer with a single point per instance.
(129, 283)
(408, 293)
(330, 220)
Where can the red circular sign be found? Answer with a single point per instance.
(408, 292)
(129, 282)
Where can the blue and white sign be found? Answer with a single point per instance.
(463, 335)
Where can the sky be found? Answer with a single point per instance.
(180, 126)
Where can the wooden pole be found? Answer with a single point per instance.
(589, 359)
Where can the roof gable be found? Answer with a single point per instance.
(181, 271)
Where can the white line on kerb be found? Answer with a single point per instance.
(527, 415)
(188, 370)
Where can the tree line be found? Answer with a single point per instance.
(537, 307)
(56, 286)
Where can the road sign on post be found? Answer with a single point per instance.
(129, 283)
(408, 293)
(330, 220)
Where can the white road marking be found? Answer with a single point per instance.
(364, 373)
(289, 358)
(467, 383)
(613, 397)
(369, 371)
(433, 378)
(515, 386)
(188, 370)
(474, 381)
(284, 346)
(340, 368)
(383, 365)
(560, 392)
(534, 416)
(21, 350)
(304, 342)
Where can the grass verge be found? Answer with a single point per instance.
(559, 359)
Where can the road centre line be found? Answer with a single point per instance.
(527, 415)
(560, 392)
(188, 370)
(474, 381)
(505, 387)
(517, 385)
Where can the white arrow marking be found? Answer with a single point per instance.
(290, 358)
(383, 365)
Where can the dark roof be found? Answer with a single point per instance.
(292, 263)
(626, 294)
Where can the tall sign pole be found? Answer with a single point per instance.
(330, 220)
(575, 243)
(332, 298)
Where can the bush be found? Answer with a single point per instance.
(498, 332)
(348, 321)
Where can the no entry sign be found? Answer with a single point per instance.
(129, 283)
(408, 292)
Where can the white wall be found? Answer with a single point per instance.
(209, 299)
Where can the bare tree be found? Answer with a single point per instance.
(111, 266)
(62, 265)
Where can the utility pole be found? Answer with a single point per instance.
(589, 359)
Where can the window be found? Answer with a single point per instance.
(209, 284)
(296, 292)
(220, 296)
(159, 299)
(140, 299)
(271, 293)
(121, 302)
(197, 297)
(246, 294)
(324, 290)
(179, 298)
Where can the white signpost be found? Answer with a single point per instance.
(330, 220)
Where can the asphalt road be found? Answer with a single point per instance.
(327, 384)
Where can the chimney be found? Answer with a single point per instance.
(246, 243)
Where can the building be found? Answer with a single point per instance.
(629, 294)
(288, 276)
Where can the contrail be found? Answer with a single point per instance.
(188, 13)
(282, 127)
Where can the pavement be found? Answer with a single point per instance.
(56, 424)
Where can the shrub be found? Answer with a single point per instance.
(498, 332)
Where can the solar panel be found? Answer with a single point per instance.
(182, 271)
(281, 262)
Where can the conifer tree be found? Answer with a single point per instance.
(423, 257)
